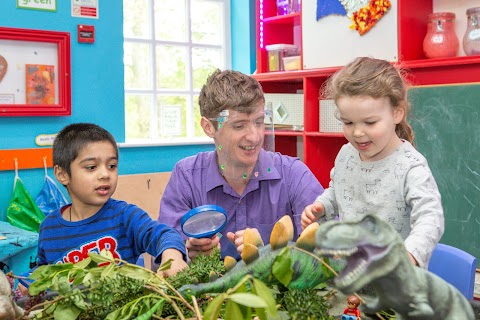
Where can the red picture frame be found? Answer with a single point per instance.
(57, 46)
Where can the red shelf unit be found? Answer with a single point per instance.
(320, 149)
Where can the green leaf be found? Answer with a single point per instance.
(39, 286)
(92, 276)
(49, 269)
(135, 272)
(99, 258)
(213, 308)
(232, 311)
(248, 299)
(78, 276)
(147, 315)
(63, 285)
(66, 312)
(166, 265)
(267, 295)
(82, 264)
(281, 268)
(108, 271)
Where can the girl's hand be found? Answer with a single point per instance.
(412, 259)
(312, 213)
(200, 246)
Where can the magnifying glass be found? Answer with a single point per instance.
(203, 221)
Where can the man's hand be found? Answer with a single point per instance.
(312, 213)
(237, 238)
(205, 246)
(177, 262)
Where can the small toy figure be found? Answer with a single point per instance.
(352, 312)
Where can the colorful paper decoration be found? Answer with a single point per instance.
(363, 13)
(367, 17)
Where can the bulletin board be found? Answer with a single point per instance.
(22, 56)
(329, 42)
(34, 73)
(447, 132)
(144, 190)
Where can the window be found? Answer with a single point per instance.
(170, 48)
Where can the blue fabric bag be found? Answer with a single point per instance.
(50, 198)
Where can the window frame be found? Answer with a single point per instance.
(189, 93)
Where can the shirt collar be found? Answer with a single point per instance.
(265, 168)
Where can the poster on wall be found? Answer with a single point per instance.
(85, 9)
(171, 120)
(40, 84)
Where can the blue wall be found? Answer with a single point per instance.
(243, 35)
(97, 88)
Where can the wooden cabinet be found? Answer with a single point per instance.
(320, 149)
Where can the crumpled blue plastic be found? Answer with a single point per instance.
(50, 198)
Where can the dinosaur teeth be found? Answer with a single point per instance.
(338, 252)
(353, 275)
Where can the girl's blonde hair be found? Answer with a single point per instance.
(375, 78)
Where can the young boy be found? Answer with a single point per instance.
(85, 158)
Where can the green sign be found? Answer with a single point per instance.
(44, 5)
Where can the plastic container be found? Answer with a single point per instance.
(288, 6)
(441, 40)
(471, 39)
(276, 53)
(291, 63)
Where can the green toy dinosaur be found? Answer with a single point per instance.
(376, 256)
(308, 271)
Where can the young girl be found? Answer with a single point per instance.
(379, 171)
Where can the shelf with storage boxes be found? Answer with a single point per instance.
(315, 145)
(317, 149)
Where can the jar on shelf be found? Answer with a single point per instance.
(441, 41)
(471, 39)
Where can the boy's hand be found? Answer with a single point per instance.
(312, 213)
(237, 238)
(177, 262)
(200, 246)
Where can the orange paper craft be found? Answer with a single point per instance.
(40, 84)
(364, 19)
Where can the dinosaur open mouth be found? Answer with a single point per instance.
(358, 259)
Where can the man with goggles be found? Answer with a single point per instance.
(243, 175)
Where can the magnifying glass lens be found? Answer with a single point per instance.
(204, 221)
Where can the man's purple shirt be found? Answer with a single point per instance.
(284, 185)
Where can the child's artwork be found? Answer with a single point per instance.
(40, 84)
(3, 67)
(364, 14)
